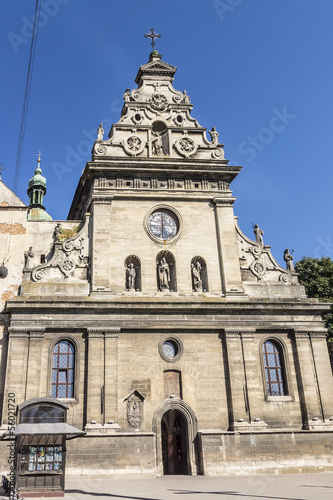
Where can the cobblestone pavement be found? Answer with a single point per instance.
(266, 487)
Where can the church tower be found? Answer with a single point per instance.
(178, 343)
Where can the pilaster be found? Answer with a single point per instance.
(34, 374)
(323, 373)
(306, 379)
(236, 389)
(16, 373)
(102, 379)
(101, 243)
(227, 244)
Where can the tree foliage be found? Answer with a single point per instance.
(317, 277)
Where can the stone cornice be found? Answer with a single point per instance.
(99, 332)
(102, 198)
(313, 334)
(224, 202)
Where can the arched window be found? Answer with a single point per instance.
(63, 370)
(274, 369)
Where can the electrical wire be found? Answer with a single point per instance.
(27, 93)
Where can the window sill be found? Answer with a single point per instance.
(279, 399)
(69, 401)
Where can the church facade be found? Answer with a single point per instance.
(178, 344)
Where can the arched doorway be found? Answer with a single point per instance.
(174, 443)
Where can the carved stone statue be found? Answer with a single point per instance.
(100, 132)
(131, 274)
(57, 231)
(288, 258)
(214, 136)
(28, 258)
(164, 274)
(196, 273)
(157, 144)
(258, 233)
(127, 95)
(186, 98)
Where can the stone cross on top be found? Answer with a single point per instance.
(152, 35)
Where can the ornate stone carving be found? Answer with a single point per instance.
(100, 132)
(133, 145)
(214, 136)
(196, 273)
(185, 146)
(28, 256)
(186, 98)
(164, 274)
(101, 150)
(157, 144)
(258, 234)
(134, 404)
(218, 153)
(258, 269)
(127, 95)
(288, 258)
(68, 255)
(131, 274)
(284, 278)
(158, 102)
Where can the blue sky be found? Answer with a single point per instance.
(260, 71)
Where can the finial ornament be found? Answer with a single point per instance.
(39, 154)
(1, 169)
(152, 35)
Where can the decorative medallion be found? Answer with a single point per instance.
(186, 146)
(258, 269)
(133, 145)
(67, 267)
(158, 102)
(137, 96)
(100, 150)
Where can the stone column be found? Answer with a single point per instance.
(33, 389)
(323, 373)
(95, 375)
(111, 374)
(236, 389)
(227, 244)
(306, 379)
(17, 362)
(101, 243)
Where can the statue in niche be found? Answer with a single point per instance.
(127, 95)
(157, 144)
(28, 256)
(258, 233)
(131, 274)
(164, 274)
(100, 132)
(196, 273)
(288, 258)
(186, 98)
(214, 136)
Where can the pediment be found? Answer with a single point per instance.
(156, 67)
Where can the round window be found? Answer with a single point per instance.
(170, 348)
(163, 224)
